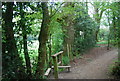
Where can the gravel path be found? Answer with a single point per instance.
(97, 68)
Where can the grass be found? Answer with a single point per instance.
(102, 42)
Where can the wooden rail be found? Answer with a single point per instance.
(47, 72)
(57, 59)
(57, 54)
(64, 67)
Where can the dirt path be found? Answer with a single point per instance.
(94, 65)
(96, 69)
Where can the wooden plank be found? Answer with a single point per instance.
(68, 67)
(47, 72)
(62, 66)
(57, 54)
(59, 63)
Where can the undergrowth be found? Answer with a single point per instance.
(115, 69)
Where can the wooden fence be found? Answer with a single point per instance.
(57, 63)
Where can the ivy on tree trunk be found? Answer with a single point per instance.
(24, 33)
(43, 37)
(12, 64)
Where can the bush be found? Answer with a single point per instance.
(85, 40)
(116, 69)
(65, 60)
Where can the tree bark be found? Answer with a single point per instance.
(24, 32)
(50, 50)
(96, 35)
(43, 37)
(118, 19)
(119, 45)
(109, 32)
(114, 26)
(86, 4)
(68, 31)
(12, 64)
(98, 16)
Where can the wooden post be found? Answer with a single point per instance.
(55, 60)
(71, 53)
(68, 51)
(55, 67)
(61, 58)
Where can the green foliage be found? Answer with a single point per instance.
(86, 40)
(103, 34)
(77, 15)
(114, 29)
(57, 35)
(102, 42)
(115, 69)
(65, 60)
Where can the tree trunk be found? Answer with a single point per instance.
(96, 35)
(118, 19)
(98, 16)
(119, 46)
(86, 4)
(98, 29)
(43, 37)
(50, 50)
(109, 32)
(24, 32)
(68, 31)
(12, 64)
(114, 27)
(65, 39)
(27, 58)
(0, 52)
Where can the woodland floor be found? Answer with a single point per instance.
(95, 64)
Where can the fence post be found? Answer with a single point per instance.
(61, 58)
(55, 67)
(71, 52)
(68, 51)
